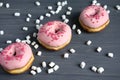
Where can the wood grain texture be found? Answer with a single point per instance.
(108, 39)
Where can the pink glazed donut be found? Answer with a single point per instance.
(16, 58)
(94, 18)
(54, 35)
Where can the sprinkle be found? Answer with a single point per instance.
(78, 31)
(93, 68)
(37, 3)
(89, 42)
(99, 49)
(37, 21)
(8, 41)
(33, 72)
(29, 15)
(27, 19)
(97, 4)
(38, 70)
(111, 55)
(68, 13)
(36, 46)
(28, 37)
(108, 11)
(39, 53)
(51, 64)
(1, 4)
(70, 8)
(63, 17)
(25, 28)
(100, 70)
(82, 64)
(48, 15)
(66, 55)
(16, 14)
(18, 40)
(1, 49)
(41, 17)
(105, 6)
(50, 7)
(117, 7)
(52, 12)
(33, 67)
(66, 20)
(74, 26)
(7, 5)
(50, 70)
(33, 43)
(1, 32)
(28, 41)
(59, 3)
(44, 64)
(72, 50)
(56, 67)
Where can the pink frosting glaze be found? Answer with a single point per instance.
(94, 16)
(15, 56)
(54, 33)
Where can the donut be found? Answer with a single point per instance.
(54, 35)
(94, 18)
(16, 58)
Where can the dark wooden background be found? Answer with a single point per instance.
(108, 39)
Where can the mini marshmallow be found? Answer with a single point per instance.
(105, 6)
(29, 15)
(70, 8)
(27, 19)
(25, 28)
(7, 5)
(41, 17)
(78, 31)
(38, 70)
(98, 4)
(23, 41)
(117, 7)
(37, 27)
(1, 49)
(28, 37)
(39, 53)
(50, 70)
(99, 49)
(37, 21)
(66, 55)
(63, 17)
(33, 43)
(52, 12)
(89, 42)
(36, 46)
(44, 64)
(93, 68)
(48, 15)
(37, 3)
(100, 70)
(66, 20)
(72, 50)
(56, 67)
(59, 3)
(8, 41)
(50, 7)
(94, 2)
(108, 11)
(28, 41)
(33, 72)
(74, 26)
(18, 40)
(82, 64)
(64, 3)
(34, 68)
(1, 4)
(17, 14)
(51, 64)
(68, 13)
(111, 55)
(34, 34)
(1, 32)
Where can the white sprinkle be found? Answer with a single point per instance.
(51, 64)
(59, 3)
(8, 41)
(28, 37)
(37, 21)
(99, 49)
(33, 43)
(72, 50)
(37, 3)
(29, 15)
(28, 41)
(33, 67)
(70, 8)
(105, 6)
(1, 4)
(39, 53)
(44, 64)
(56, 67)
(7, 5)
(94, 2)
(48, 15)
(89, 42)
(52, 12)
(111, 55)
(93, 68)
(78, 31)
(41, 17)
(34, 34)
(1, 32)
(66, 20)
(68, 13)
(16, 14)
(74, 26)
(97, 4)
(36, 46)
(66, 55)
(1, 49)
(18, 40)
(50, 70)
(37, 27)
(63, 17)
(118, 7)
(100, 70)
(33, 72)
(27, 19)
(108, 11)
(25, 28)
(50, 7)
(38, 70)
(82, 64)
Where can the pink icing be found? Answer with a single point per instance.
(54, 33)
(15, 56)
(94, 16)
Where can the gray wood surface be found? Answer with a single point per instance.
(108, 39)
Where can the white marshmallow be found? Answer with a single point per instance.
(111, 55)
(34, 68)
(41, 17)
(82, 64)
(74, 26)
(66, 55)
(38, 70)
(108, 11)
(18, 40)
(99, 49)
(27, 19)
(28, 37)
(72, 50)
(68, 13)
(39, 53)
(7, 5)
(28, 41)
(37, 3)
(98, 4)
(50, 7)
(100, 70)
(29, 15)
(1, 4)
(1, 32)
(17, 14)
(93, 68)
(51, 64)
(56, 67)
(78, 31)
(25, 28)
(105, 6)
(50, 70)
(1, 49)
(36, 46)
(59, 3)
(33, 72)
(34, 34)
(33, 43)
(48, 15)
(37, 21)
(66, 20)
(70, 8)
(9, 41)
(44, 64)
(89, 42)
(63, 17)
(52, 12)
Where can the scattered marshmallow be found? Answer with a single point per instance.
(1, 4)
(50, 70)
(63, 17)
(50, 7)
(66, 20)
(23, 41)
(36, 46)
(17, 14)
(99, 49)
(41, 17)
(37, 3)
(7, 5)
(34, 68)
(34, 34)
(56, 67)
(51, 64)
(89, 42)
(37, 27)
(105, 6)
(39, 53)
(1, 49)
(68, 13)
(72, 50)
(100, 70)
(78, 31)
(118, 7)
(94, 69)
(33, 72)
(28, 41)
(8, 41)
(74, 26)
(1, 32)
(98, 4)
(29, 15)
(52, 12)
(59, 3)
(33, 43)
(108, 11)
(18, 40)
(64, 3)
(28, 37)
(38, 70)
(27, 19)
(48, 15)
(70, 8)
(66, 55)
(25, 28)
(44, 64)
(111, 55)
(94, 2)
(82, 64)
(59, 8)
(37, 21)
